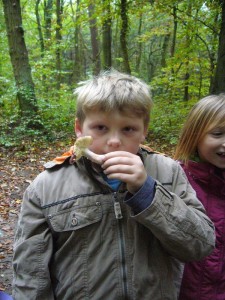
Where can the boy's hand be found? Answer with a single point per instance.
(126, 167)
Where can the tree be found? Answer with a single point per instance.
(40, 34)
(123, 35)
(106, 35)
(219, 79)
(19, 58)
(139, 47)
(48, 5)
(77, 66)
(94, 39)
(59, 11)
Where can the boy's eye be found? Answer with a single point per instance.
(129, 129)
(101, 127)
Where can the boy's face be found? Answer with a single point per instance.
(112, 131)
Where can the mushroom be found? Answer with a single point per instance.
(81, 149)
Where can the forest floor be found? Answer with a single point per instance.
(18, 167)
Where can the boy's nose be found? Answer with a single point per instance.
(114, 141)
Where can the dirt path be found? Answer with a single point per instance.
(18, 167)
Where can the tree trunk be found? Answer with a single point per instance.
(94, 40)
(48, 5)
(187, 59)
(218, 85)
(123, 35)
(107, 36)
(59, 10)
(139, 47)
(40, 34)
(165, 45)
(19, 58)
(173, 45)
(77, 70)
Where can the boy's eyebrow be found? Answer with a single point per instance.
(126, 79)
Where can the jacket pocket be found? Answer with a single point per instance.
(76, 217)
(77, 231)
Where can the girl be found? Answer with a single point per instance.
(201, 150)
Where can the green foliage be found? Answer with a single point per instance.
(54, 120)
(168, 117)
(191, 65)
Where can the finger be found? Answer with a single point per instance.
(117, 161)
(119, 169)
(118, 154)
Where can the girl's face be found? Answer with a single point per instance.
(112, 131)
(212, 147)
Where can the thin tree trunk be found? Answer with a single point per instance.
(173, 45)
(94, 40)
(123, 35)
(139, 47)
(187, 62)
(59, 10)
(40, 34)
(218, 85)
(19, 58)
(48, 6)
(107, 36)
(76, 75)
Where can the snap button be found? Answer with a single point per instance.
(74, 221)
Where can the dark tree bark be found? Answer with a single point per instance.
(123, 35)
(94, 40)
(77, 65)
(165, 46)
(218, 85)
(107, 36)
(19, 58)
(48, 6)
(139, 47)
(187, 62)
(40, 34)
(173, 45)
(59, 11)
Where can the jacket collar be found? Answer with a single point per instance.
(203, 170)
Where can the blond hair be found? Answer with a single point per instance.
(114, 91)
(206, 114)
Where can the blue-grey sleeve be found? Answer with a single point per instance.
(143, 198)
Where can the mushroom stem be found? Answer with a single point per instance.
(97, 158)
(81, 149)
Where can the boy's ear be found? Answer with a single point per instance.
(143, 138)
(144, 134)
(78, 128)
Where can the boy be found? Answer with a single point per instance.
(110, 231)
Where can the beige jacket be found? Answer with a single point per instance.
(69, 244)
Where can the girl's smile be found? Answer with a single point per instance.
(212, 147)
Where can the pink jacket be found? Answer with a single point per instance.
(206, 279)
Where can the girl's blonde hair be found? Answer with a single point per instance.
(207, 114)
(114, 91)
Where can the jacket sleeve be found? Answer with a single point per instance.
(177, 218)
(33, 248)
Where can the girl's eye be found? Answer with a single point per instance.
(216, 133)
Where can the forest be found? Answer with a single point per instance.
(47, 47)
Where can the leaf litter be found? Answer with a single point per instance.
(17, 170)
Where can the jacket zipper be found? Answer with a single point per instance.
(118, 214)
(117, 207)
